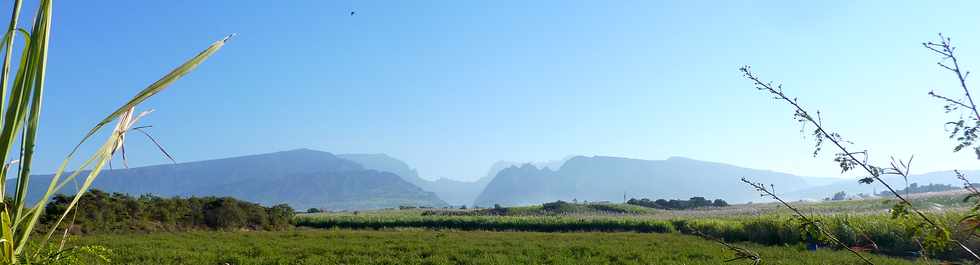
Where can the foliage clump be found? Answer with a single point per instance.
(694, 202)
(916, 188)
(102, 212)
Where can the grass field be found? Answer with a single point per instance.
(857, 223)
(569, 234)
(315, 246)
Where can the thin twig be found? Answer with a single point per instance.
(806, 220)
(946, 49)
(875, 172)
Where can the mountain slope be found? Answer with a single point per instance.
(301, 178)
(384, 162)
(454, 192)
(602, 178)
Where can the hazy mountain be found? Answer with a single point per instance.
(501, 165)
(454, 192)
(602, 178)
(820, 181)
(301, 178)
(383, 162)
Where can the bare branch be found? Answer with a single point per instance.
(948, 100)
(946, 49)
(806, 220)
(847, 159)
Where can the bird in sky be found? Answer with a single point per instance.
(352, 13)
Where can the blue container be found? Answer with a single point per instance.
(811, 246)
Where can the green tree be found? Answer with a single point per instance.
(839, 196)
(224, 213)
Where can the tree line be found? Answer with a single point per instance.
(916, 188)
(101, 212)
(694, 202)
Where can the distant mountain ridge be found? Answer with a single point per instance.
(454, 192)
(302, 178)
(603, 178)
(384, 162)
(307, 178)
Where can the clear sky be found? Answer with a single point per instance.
(452, 86)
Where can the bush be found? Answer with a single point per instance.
(99, 212)
(558, 207)
(694, 202)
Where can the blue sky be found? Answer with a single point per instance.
(452, 86)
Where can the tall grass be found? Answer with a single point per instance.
(21, 99)
(879, 232)
(489, 223)
(441, 248)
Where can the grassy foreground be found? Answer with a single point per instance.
(337, 246)
(859, 223)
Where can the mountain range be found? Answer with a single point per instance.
(454, 192)
(603, 178)
(302, 178)
(307, 178)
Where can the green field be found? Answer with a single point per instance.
(314, 246)
(546, 234)
(858, 223)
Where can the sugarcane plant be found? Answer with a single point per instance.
(21, 94)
